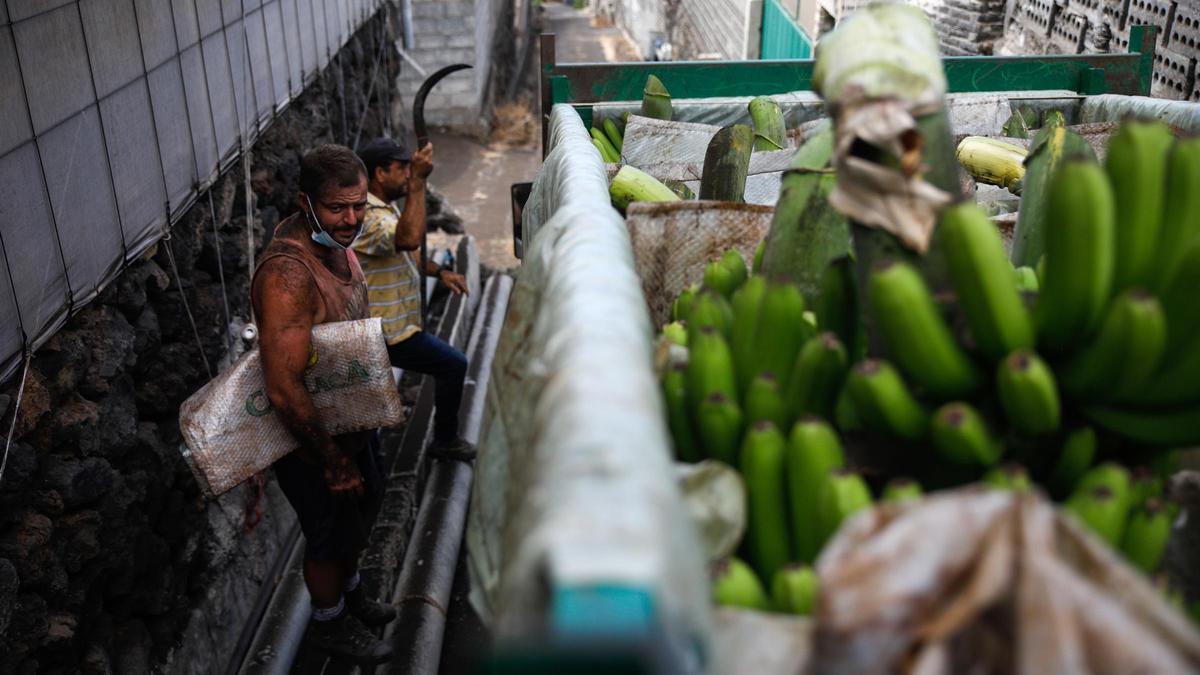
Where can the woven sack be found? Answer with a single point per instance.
(231, 431)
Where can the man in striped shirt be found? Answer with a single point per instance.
(389, 250)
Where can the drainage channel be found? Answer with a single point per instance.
(406, 570)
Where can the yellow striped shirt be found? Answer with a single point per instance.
(393, 284)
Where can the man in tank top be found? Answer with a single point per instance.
(308, 276)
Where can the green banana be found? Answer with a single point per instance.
(756, 265)
(983, 281)
(816, 377)
(780, 331)
(795, 590)
(845, 416)
(602, 150)
(735, 585)
(710, 367)
(726, 163)
(674, 386)
(1177, 383)
(1146, 535)
(762, 466)
(1011, 477)
(1179, 302)
(614, 135)
(656, 100)
(719, 422)
(838, 307)
(1049, 149)
(1101, 511)
(916, 335)
(883, 403)
(1110, 476)
(961, 435)
(1080, 243)
(1077, 454)
(1125, 353)
(1144, 486)
(813, 451)
(1027, 279)
(1137, 169)
(1172, 427)
(746, 303)
(769, 132)
(736, 266)
(1028, 393)
(1181, 210)
(719, 278)
(843, 494)
(764, 402)
(681, 309)
(609, 153)
(901, 490)
(710, 309)
(676, 333)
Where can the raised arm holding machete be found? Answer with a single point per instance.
(389, 237)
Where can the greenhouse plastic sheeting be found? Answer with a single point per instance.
(1182, 115)
(574, 486)
(114, 113)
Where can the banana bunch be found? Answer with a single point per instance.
(1054, 374)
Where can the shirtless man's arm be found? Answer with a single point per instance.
(286, 302)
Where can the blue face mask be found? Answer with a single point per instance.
(319, 235)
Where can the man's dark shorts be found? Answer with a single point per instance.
(335, 528)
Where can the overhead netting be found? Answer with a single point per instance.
(115, 114)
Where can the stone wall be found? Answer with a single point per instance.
(1076, 26)
(455, 31)
(110, 559)
(966, 27)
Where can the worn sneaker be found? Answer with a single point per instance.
(347, 638)
(368, 611)
(454, 449)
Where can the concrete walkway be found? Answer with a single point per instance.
(476, 176)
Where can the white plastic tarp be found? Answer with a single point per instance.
(111, 109)
(1182, 115)
(575, 486)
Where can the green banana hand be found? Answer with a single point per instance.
(916, 335)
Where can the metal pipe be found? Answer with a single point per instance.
(279, 630)
(406, 23)
(427, 575)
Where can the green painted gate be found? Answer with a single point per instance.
(782, 38)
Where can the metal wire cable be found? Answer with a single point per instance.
(187, 306)
(212, 210)
(362, 120)
(16, 409)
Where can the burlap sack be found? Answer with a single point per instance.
(987, 581)
(232, 432)
(673, 241)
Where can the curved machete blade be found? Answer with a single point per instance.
(419, 127)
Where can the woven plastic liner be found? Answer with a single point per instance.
(673, 241)
(574, 487)
(232, 432)
(1182, 115)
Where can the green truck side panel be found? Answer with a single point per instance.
(602, 82)
(782, 38)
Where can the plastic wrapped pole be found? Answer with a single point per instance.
(882, 80)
